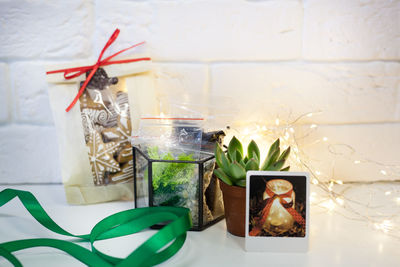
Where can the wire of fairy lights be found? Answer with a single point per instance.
(380, 208)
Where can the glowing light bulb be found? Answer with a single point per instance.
(357, 162)
(318, 172)
(315, 181)
(340, 201)
(255, 136)
(325, 139)
(313, 126)
(313, 198)
(330, 187)
(383, 172)
(380, 247)
(387, 193)
(286, 136)
(339, 181)
(330, 205)
(386, 225)
(309, 115)
(291, 129)
(277, 121)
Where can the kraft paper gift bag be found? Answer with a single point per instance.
(94, 136)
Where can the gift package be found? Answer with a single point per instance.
(95, 134)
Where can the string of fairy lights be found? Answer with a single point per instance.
(379, 207)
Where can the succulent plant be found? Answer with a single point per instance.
(233, 165)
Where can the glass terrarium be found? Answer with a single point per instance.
(178, 179)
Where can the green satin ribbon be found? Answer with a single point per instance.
(119, 224)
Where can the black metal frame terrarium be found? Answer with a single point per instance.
(200, 193)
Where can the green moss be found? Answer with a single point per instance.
(170, 179)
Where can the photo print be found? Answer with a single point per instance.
(277, 206)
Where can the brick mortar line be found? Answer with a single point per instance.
(9, 94)
(303, 62)
(11, 123)
(39, 183)
(242, 61)
(355, 124)
(303, 17)
(33, 59)
(5, 124)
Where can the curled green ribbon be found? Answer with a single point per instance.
(119, 224)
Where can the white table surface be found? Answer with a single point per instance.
(334, 240)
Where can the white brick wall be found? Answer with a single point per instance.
(30, 92)
(28, 154)
(368, 142)
(345, 92)
(45, 29)
(351, 30)
(5, 93)
(207, 30)
(254, 59)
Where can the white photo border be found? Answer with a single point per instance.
(276, 243)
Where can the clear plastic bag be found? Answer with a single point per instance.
(175, 135)
(107, 128)
(95, 135)
(175, 156)
(215, 116)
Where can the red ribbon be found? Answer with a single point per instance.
(71, 73)
(288, 206)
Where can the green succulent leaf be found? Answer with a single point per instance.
(237, 172)
(225, 163)
(253, 148)
(242, 164)
(233, 165)
(221, 175)
(241, 183)
(276, 166)
(257, 159)
(273, 148)
(234, 145)
(286, 169)
(218, 152)
(231, 157)
(270, 160)
(252, 165)
(238, 156)
(285, 154)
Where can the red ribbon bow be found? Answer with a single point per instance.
(71, 73)
(287, 205)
